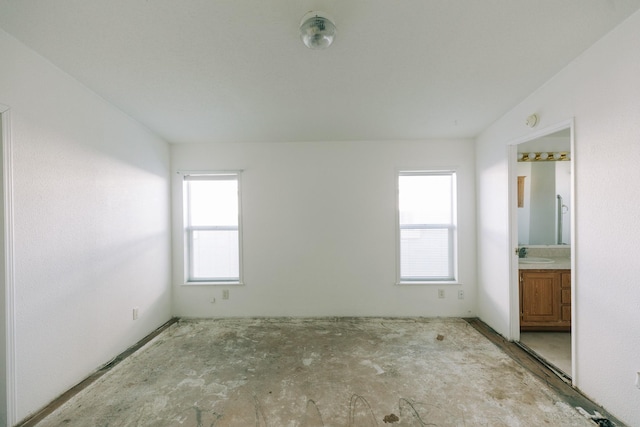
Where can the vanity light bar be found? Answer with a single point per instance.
(545, 156)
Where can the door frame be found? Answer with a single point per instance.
(8, 280)
(514, 289)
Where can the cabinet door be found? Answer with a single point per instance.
(539, 297)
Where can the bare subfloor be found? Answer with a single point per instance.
(318, 372)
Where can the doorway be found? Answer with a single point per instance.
(542, 234)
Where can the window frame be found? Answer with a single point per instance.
(452, 227)
(188, 229)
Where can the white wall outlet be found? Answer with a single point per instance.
(460, 294)
(440, 293)
(225, 294)
(638, 379)
(135, 313)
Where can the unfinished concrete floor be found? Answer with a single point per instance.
(318, 372)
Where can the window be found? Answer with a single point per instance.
(427, 226)
(212, 227)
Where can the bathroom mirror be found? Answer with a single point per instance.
(544, 199)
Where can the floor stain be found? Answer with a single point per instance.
(391, 418)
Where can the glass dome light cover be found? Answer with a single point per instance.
(317, 30)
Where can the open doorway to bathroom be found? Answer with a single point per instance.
(543, 233)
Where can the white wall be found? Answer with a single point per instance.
(601, 90)
(91, 206)
(319, 229)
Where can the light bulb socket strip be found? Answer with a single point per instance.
(544, 156)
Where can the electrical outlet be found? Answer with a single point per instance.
(460, 294)
(440, 293)
(638, 379)
(225, 294)
(135, 313)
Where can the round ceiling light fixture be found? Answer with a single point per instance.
(317, 30)
(532, 120)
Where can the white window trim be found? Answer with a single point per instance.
(206, 175)
(421, 282)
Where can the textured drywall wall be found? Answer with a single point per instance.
(91, 205)
(319, 229)
(600, 89)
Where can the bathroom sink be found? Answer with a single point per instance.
(534, 260)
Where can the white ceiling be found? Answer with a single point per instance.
(236, 70)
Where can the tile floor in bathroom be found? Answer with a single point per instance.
(553, 347)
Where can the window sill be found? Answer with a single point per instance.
(213, 284)
(423, 283)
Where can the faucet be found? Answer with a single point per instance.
(522, 252)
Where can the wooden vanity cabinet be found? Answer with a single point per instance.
(545, 300)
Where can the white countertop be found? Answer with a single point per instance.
(560, 263)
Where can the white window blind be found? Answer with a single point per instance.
(212, 227)
(427, 226)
